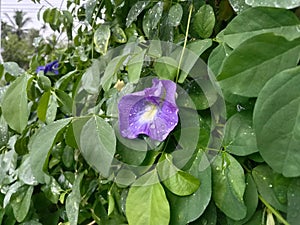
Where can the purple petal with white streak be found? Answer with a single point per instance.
(152, 112)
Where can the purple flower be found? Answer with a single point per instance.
(50, 67)
(152, 112)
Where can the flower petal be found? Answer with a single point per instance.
(40, 68)
(152, 112)
(50, 67)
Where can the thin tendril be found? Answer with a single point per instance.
(185, 41)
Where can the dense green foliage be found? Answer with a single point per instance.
(16, 40)
(234, 157)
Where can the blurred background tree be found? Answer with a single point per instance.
(17, 39)
(18, 23)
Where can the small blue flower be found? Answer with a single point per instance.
(152, 112)
(51, 67)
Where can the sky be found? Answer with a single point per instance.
(31, 9)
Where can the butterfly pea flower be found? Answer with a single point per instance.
(50, 67)
(152, 112)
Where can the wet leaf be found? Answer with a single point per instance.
(255, 61)
(98, 144)
(288, 4)
(175, 15)
(204, 21)
(151, 18)
(14, 104)
(166, 68)
(279, 21)
(40, 145)
(20, 202)
(101, 38)
(278, 137)
(73, 201)
(135, 11)
(229, 186)
(146, 202)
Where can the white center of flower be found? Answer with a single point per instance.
(149, 113)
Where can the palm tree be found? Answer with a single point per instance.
(19, 22)
(5, 29)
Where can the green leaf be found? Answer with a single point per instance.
(91, 77)
(73, 132)
(146, 202)
(288, 4)
(255, 61)
(279, 21)
(4, 133)
(13, 69)
(135, 65)
(47, 107)
(209, 217)
(129, 151)
(182, 183)
(217, 58)
(89, 11)
(155, 49)
(293, 197)
(20, 202)
(73, 201)
(31, 222)
(239, 5)
(166, 68)
(8, 164)
(65, 102)
(277, 124)
(52, 109)
(202, 99)
(181, 210)
(177, 181)
(256, 218)
(68, 156)
(198, 47)
(53, 18)
(251, 200)
(40, 145)
(175, 15)
(118, 35)
(135, 11)
(111, 204)
(151, 18)
(44, 82)
(43, 106)
(191, 56)
(125, 177)
(14, 104)
(52, 190)
(112, 68)
(229, 186)
(267, 182)
(239, 138)
(188, 136)
(25, 173)
(101, 38)
(204, 21)
(98, 144)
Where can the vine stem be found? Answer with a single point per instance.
(274, 211)
(91, 223)
(93, 23)
(185, 41)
